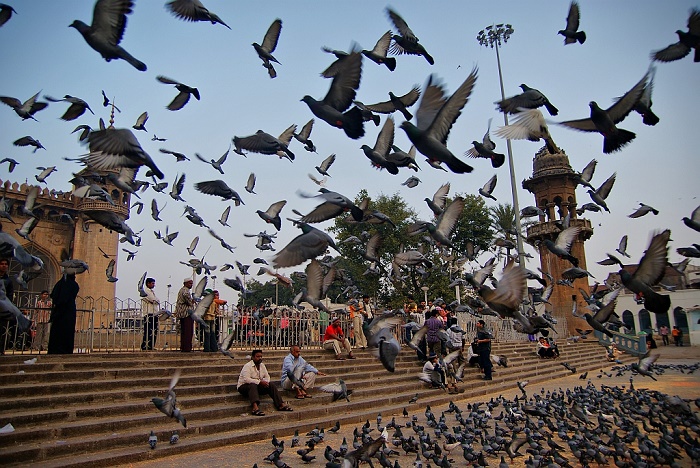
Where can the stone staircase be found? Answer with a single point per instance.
(95, 410)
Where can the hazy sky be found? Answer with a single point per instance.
(40, 52)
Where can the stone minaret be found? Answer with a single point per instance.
(553, 183)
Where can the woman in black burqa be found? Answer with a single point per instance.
(63, 315)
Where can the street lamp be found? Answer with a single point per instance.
(425, 293)
(494, 36)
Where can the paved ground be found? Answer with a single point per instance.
(246, 455)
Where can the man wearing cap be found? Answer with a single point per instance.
(334, 339)
(183, 305)
(149, 314)
(357, 318)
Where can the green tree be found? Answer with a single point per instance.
(262, 292)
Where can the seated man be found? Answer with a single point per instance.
(612, 353)
(297, 374)
(334, 339)
(433, 373)
(255, 381)
(544, 349)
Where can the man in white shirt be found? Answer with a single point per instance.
(150, 305)
(254, 381)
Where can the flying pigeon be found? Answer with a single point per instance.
(110, 271)
(402, 159)
(334, 205)
(268, 46)
(687, 41)
(488, 188)
(264, 143)
(117, 147)
(5, 13)
(601, 193)
(76, 109)
(183, 96)
(530, 98)
(250, 183)
(397, 103)
(643, 210)
(219, 188)
(485, 149)
(529, 124)
(379, 153)
(216, 163)
(107, 30)
(603, 120)
(29, 141)
(168, 405)
(693, 222)
(325, 165)
(433, 127)
(561, 247)
(193, 10)
(649, 272)
(309, 244)
(272, 214)
(571, 33)
(303, 136)
(25, 109)
(141, 122)
(378, 53)
(179, 157)
(406, 42)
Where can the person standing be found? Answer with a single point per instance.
(483, 342)
(41, 320)
(357, 319)
(302, 371)
(211, 343)
(254, 380)
(663, 331)
(366, 310)
(150, 305)
(432, 337)
(183, 305)
(677, 334)
(63, 315)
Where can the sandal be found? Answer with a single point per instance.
(285, 408)
(257, 412)
(300, 397)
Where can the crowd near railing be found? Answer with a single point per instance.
(117, 325)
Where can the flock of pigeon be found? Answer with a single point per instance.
(118, 151)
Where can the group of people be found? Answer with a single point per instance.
(297, 375)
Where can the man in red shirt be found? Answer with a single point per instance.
(334, 339)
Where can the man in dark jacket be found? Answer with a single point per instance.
(483, 342)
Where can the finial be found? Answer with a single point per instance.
(111, 116)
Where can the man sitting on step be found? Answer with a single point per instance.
(297, 374)
(334, 339)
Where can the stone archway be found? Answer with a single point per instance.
(45, 281)
(644, 320)
(628, 320)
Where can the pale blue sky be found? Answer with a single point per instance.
(40, 52)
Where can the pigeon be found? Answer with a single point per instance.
(412, 182)
(397, 103)
(309, 244)
(643, 210)
(488, 188)
(152, 440)
(155, 138)
(687, 41)
(183, 96)
(141, 122)
(437, 203)
(601, 193)
(485, 149)
(561, 247)
(378, 53)
(76, 109)
(250, 183)
(268, 46)
(338, 389)
(571, 33)
(649, 272)
(529, 124)
(441, 230)
(5, 13)
(27, 228)
(177, 188)
(117, 147)
(506, 298)
(584, 178)
(644, 365)
(693, 222)
(179, 157)
(381, 148)
(264, 143)
(8, 309)
(26, 109)
(168, 406)
(29, 141)
(381, 339)
(110, 271)
(193, 246)
(530, 98)
(106, 102)
(107, 30)
(219, 188)
(112, 221)
(325, 165)
(155, 212)
(332, 109)
(603, 120)
(303, 136)
(216, 163)
(643, 106)
(312, 292)
(223, 220)
(433, 127)
(406, 42)
(402, 159)
(272, 214)
(193, 10)
(11, 164)
(334, 205)
(45, 172)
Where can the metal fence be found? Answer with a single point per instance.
(117, 325)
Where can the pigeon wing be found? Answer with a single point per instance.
(653, 264)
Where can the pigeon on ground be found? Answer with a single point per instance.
(183, 96)
(215, 163)
(332, 109)
(219, 188)
(486, 148)
(268, 46)
(168, 406)
(397, 103)
(530, 98)
(76, 109)
(406, 42)
(601, 193)
(378, 53)
(25, 109)
(193, 10)
(649, 272)
(433, 126)
(687, 41)
(571, 33)
(603, 121)
(107, 30)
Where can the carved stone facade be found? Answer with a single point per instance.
(553, 183)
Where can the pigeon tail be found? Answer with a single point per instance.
(457, 166)
(353, 124)
(657, 303)
(497, 160)
(390, 63)
(580, 37)
(617, 140)
(649, 118)
(136, 63)
(551, 109)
